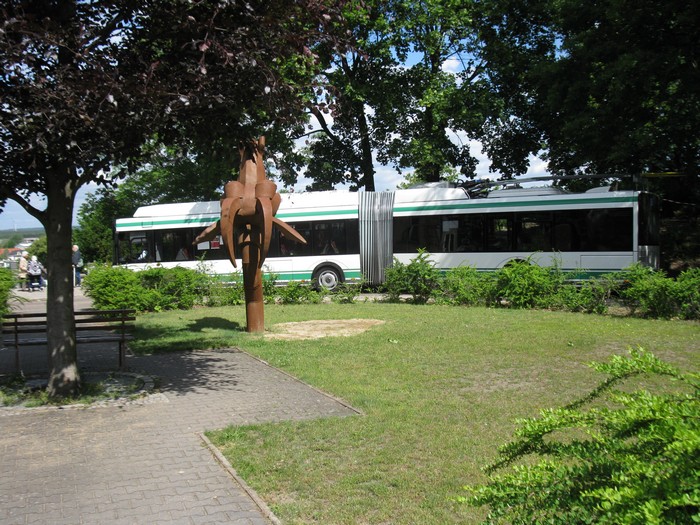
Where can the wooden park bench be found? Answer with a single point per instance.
(91, 326)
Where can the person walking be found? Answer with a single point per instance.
(22, 274)
(77, 260)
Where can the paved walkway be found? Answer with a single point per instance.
(148, 463)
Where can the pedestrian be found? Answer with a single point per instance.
(34, 271)
(23, 263)
(77, 260)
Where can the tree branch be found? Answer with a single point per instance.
(322, 120)
(39, 215)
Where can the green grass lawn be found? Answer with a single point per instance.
(439, 387)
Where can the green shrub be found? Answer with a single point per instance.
(345, 293)
(523, 284)
(7, 283)
(588, 296)
(688, 293)
(464, 286)
(419, 278)
(395, 281)
(630, 458)
(225, 292)
(650, 292)
(269, 286)
(154, 289)
(173, 288)
(299, 293)
(112, 287)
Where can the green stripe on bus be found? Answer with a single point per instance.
(170, 222)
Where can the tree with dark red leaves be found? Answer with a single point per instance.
(85, 85)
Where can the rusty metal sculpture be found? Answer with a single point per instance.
(248, 210)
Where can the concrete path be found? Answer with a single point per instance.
(147, 462)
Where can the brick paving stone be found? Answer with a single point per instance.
(145, 463)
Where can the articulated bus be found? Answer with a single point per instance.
(356, 235)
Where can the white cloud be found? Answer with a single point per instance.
(452, 65)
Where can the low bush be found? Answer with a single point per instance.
(590, 297)
(173, 288)
(649, 292)
(633, 459)
(298, 293)
(652, 293)
(465, 286)
(269, 286)
(523, 284)
(419, 278)
(688, 293)
(227, 291)
(154, 289)
(7, 283)
(112, 287)
(346, 293)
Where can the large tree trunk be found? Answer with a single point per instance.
(366, 160)
(64, 378)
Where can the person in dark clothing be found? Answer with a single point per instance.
(77, 260)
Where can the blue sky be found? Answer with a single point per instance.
(13, 215)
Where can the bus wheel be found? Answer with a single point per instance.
(328, 277)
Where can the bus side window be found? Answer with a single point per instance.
(563, 237)
(338, 236)
(352, 236)
(534, 233)
(499, 230)
(405, 235)
(139, 249)
(471, 234)
(297, 248)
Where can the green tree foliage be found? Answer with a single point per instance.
(394, 99)
(13, 241)
(96, 216)
(609, 87)
(41, 250)
(616, 456)
(356, 85)
(443, 90)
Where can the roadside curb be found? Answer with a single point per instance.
(232, 472)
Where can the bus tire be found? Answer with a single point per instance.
(328, 277)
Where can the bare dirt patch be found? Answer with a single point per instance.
(322, 328)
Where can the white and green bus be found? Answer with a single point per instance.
(353, 235)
